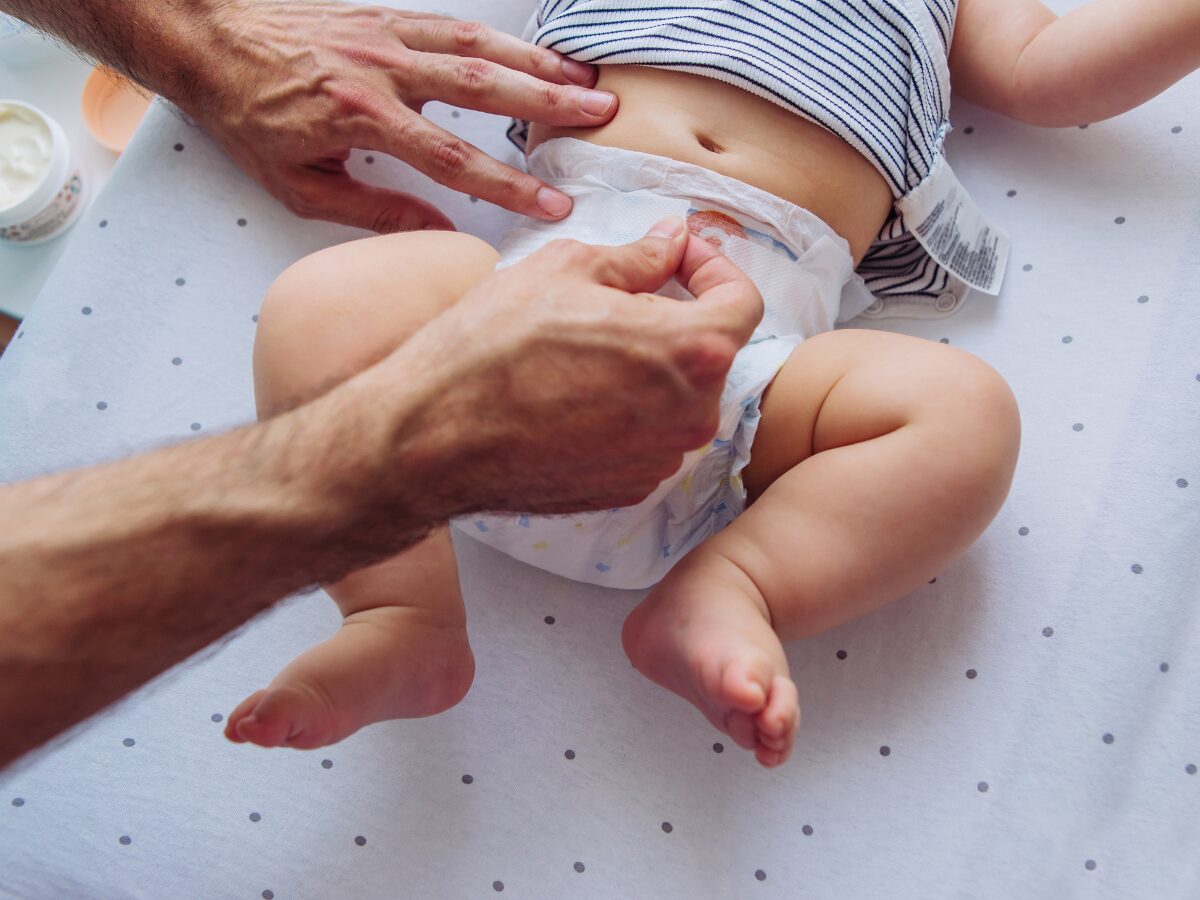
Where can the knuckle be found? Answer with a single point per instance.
(553, 97)
(468, 35)
(570, 251)
(449, 156)
(475, 76)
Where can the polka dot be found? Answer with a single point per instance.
(841, 654)
(101, 406)
(87, 310)
(1177, 129)
(1028, 267)
(982, 787)
(808, 830)
(718, 747)
(570, 754)
(179, 282)
(885, 750)
(129, 742)
(20, 334)
(1108, 738)
(1012, 193)
(360, 840)
(474, 199)
(944, 340)
(254, 318)
(369, 160)
(18, 801)
(179, 148)
(126, 840)
(497, 886)
(268, 895)
(1136, 569)
(1164, 667)
(241, 223)
(668, 827)
(454, 113)
(177, 361)
(760, 874)
(972, 674)
(217, 717)
(468, 779)
(970, 129)
(578, 867)
(1083, 128)
(1190, 768)
(255, 817)
(327, 764)
(1144, 298)
(1090, 865)
(1047, 631)
(104, 223)
(1022, 531)
(932, 580)
(1078, 426)
(1181, 482)
(1120, 220)
(195, 426)
(1067, 339)
(549, 620)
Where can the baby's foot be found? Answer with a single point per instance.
(391, 662)
(704, 634)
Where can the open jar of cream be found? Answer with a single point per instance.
(41, 190)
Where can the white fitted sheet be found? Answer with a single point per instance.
(1039, 703)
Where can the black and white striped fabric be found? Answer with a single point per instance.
(874, 72)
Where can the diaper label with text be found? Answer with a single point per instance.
(941, 215)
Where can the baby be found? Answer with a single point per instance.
(805, 142)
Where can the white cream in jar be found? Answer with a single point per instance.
(41, 191)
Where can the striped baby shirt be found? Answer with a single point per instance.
(873, 72)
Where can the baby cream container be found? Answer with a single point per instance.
(41, 189)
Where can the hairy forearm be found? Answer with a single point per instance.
(1103, 59)
(118, 572)
(162, 44)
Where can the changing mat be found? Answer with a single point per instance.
(1025, 725)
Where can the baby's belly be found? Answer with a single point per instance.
(708, 123)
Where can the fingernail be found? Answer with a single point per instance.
(671, 226)
(596, 103)
(553, 202)
(580, 73)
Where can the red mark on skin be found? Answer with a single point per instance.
(703, 223)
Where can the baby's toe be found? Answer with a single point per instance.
(744, 685)
(239, 714)
(781, 716)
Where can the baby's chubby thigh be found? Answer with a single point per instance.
(342, 309)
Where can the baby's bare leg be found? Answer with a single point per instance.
(402, 651)
(880, 459)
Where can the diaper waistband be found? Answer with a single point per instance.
(632, 170)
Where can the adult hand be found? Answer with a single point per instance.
(565, 385)
(291, 87)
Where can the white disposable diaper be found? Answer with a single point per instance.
(805, 274)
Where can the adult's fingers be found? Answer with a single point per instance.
(337, 197)
(494, 88)
(645, 265)
(432, 34)
(722, 289)
(457, 164)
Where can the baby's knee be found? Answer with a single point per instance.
(979, 409)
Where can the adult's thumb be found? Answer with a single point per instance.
(646, 264)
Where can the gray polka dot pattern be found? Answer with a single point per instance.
(1090, 864)
(668, 827)
(361, 841)
(1098, 332)
(497, 886)
(126, 840)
